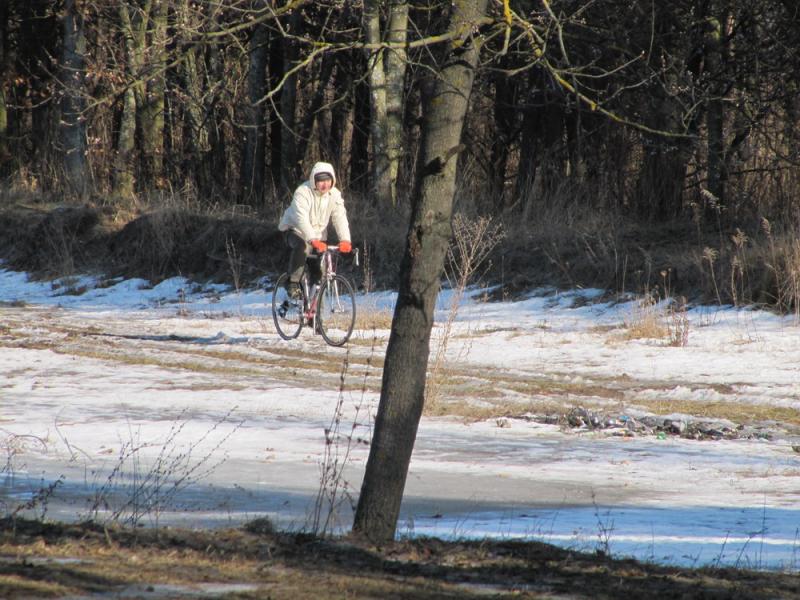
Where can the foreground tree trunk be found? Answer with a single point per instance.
(445, 101)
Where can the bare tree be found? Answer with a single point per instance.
(445, 100)
(123, 184)
(150, 101)
(386, 70)
(5, 68)
(254, 159)
(73, 130)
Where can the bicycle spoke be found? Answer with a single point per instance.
(337, 311)
(287, 312)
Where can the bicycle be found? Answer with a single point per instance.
(330, 308)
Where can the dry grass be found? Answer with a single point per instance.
(646, 321)
(736, 412)
(667, 321)
(569, 243)
(52, 560)
(371, 318)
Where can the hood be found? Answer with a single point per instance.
(321, 167)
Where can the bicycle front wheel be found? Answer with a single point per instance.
(287, 312)
(336, 313)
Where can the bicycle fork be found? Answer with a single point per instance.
(310, 312)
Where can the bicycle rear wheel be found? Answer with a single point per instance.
(336, 313)
(287, 312)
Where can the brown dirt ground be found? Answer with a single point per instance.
(51, 560)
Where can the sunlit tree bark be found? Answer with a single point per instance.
(386, 72)
(445, 101)
(195, 128)
(153, 42)
(123, 183)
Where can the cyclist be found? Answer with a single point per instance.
(316, 203)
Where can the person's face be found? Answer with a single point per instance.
(324, 185)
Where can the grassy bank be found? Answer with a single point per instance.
(55, 560)
(565, 245)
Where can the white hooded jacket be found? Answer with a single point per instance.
(310, 211)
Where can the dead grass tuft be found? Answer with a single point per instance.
(736, 412)
(371, 318)
(645, 321)
(651, 319)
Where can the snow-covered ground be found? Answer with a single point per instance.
(180, 404)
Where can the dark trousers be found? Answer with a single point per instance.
(299, 251)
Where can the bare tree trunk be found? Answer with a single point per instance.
(275, 124)
(359, 144)
(306, 126)
(662, 173)
(123, 181)
(658, 195)
(5, 155)
(290, 160)
(215, 161)
(333, 140)
(195, 129)
(38, 36)
(715, 116)
(386, 72)
(73, 130)
(504, 121)
(541, 169)
(254, 159)
(445, 101)
(395, 86)
(151, 110)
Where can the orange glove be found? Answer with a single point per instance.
(319, 245)
(345, 246)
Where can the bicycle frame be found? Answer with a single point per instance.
(330, 308)
(328, 267)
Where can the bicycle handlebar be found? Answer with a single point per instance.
(335, 248)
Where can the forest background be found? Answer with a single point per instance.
(621, 144)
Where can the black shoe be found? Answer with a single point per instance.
(293, 289)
